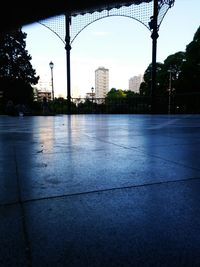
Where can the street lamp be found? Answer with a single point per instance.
(51, 65)
(170, 90)
(92, 89)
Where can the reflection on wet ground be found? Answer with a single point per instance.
(100, 190)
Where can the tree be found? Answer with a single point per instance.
(115, 94)
(16, 72)
(174, 64)
(172, 70)
(180, 71)
(189, 77)
(145, 87)
(130, 94)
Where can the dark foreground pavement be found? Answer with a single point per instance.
(100, 190)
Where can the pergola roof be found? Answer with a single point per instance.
(20, 13)
(98, 5)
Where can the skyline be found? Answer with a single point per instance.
(120, 44)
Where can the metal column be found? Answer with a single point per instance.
(68, 48)
(154, 36)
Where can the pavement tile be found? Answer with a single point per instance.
(12, 244)
(147, 226)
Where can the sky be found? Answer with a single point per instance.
(121, 44)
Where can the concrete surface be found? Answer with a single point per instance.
(100, 190)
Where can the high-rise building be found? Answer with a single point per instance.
(101, 82)
(134, 83)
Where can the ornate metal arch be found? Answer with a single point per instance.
(141, 13)
(67, 27)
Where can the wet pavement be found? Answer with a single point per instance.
(100, 190)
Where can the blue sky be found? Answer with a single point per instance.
(120, 44)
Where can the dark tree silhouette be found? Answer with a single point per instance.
(145, 87)
(190, 77)
(16, 72)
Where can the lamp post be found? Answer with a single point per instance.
(51, 65)
(68, 57)
(92, 89)
(170, 91)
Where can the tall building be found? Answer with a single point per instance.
(134, 83)
(101, 82)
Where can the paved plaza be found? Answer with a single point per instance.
(100, 190)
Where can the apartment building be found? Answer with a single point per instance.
(101, 82)
(134, 83)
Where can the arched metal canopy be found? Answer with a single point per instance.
(149, 12)
(19, 13)
(140, 10)
(99, 6)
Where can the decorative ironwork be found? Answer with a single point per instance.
(141, 13)
(56, 25)
(149, 13)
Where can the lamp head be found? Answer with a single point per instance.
(51, 65)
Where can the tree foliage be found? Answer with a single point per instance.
(16, 72)
(182, 68)
(115, 93)
(190, 76)
(145, 87)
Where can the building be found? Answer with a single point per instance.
(42, 90)
(134, 83)
(101, 82)
(39, 95)
(90, 95)
(42, 94)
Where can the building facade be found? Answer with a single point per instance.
(134, 83)
(101, 82)
(39, 95)
(90, 95)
